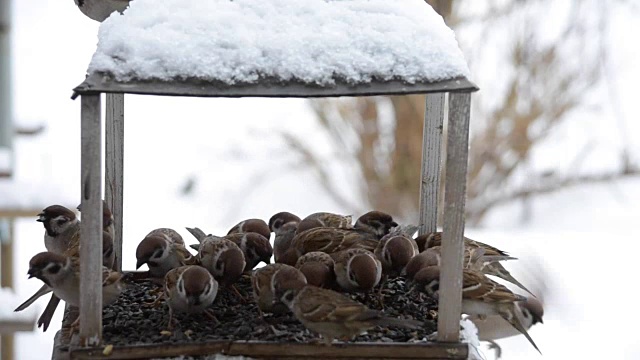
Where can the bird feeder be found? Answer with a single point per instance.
(275, 49)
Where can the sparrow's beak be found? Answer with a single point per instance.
(41, 217)
(394, 224)
(140, 263)
(33, 273)
(195, 246)
(78, 208)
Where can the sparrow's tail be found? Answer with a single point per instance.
(197, 233)
(47, 314)
(515, 322)
(42, 291)
(496, 269)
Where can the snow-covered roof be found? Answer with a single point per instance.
(25, 197)
(316, 43)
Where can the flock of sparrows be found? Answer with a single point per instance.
(317, 260)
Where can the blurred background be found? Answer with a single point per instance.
(553, 169)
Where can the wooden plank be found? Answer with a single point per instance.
(97, 83)
(269, 350)
(91, 226)
(450, 295)
(7, 328)
(114, 167)
(430, 179)
(7, 341)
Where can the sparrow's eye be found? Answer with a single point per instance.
(54, 269)
(207, 289)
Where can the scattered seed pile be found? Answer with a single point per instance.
(132, 321)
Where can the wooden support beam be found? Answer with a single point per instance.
(431, 144)
(91, 226)
(7, 341)
(114, 167)
(450, 294)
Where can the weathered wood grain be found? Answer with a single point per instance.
(430, 178)
(114, 167)
(450, 295)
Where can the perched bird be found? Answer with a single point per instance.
(189, 289)
(99, 10)
(493, 327)
(62, 274)
(317, 267)
(162, 251)
(433, 239)
(252, 226)
(62, 228)
(223, 259)
(396, 249)
(357, 269)
(284, 225)
(334, 315)
(254, 246)
(332, 240)
(376, 222)
(107, 219)
(325, 219)
(481, 296)
(270, 282)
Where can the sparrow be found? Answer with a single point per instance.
(223, 259)
(254, 246)
(481, 296)
(357, 269)
(493, 327)
(284, 225)
(334, 315)
(252, 225)
(162, 250)
(270, 282)
(281, 218)
(429, 240)
(62, 228)
(396, 249)
(317, 267)
(107, 218)
(99, 10)
(474, 259)
(62, 274)
(376, 222)
(189, 289)
(331, 240)
(325, 219)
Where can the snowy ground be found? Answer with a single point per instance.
(585, 237)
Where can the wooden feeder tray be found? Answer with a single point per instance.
(137, 330)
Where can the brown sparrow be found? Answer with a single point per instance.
(481, 296)
(222, 258)
(325, 219)
(357, 269)
(252, 225)
(334, 315)
(376, 222)
(332, 240)
(317, 267)
(255, 247)
(430, 240)
(284, 225)
(396, 249)
(162, 251)
(62, 274)
(99, 10)
(107, 218)
(270, 282)
(189, 289)
(62, 228)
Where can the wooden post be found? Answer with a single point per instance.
(450, 295)
(6, 280)
(430, 180)
(91, 226)
(114, 167)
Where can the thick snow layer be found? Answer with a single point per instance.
(469, 335)
(10, 301)
(313, 41)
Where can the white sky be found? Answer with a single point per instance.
(585, 236)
